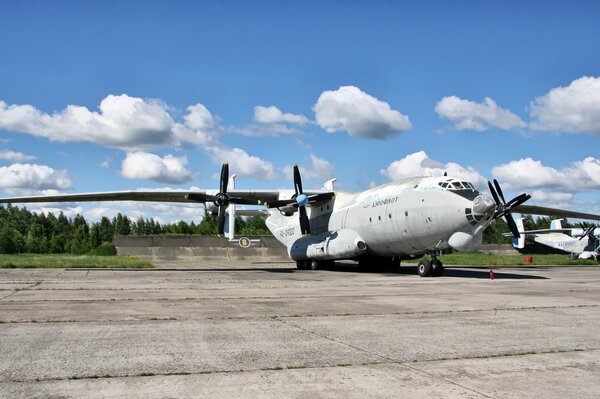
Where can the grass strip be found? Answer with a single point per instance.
(62, 261)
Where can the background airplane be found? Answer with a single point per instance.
(378, 227)
(581, 242)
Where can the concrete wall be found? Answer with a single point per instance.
(197, 248)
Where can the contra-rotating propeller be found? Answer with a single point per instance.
(300, 200)
(503, 208)
(222, 199)
(588, 231)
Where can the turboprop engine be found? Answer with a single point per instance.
(344, 243)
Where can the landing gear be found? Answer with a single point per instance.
(433, 267)
(313, 264)
(302, 264)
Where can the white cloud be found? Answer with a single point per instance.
(544, 196)
(15, 156)
(529, 173)
(419, 164)
(469, 115)
(571, 109)
(272, 114)
(26, 179)
(243, 164)
(270, 121)
(320, 169)
(122, 122)
(169, 169)
(358, 113)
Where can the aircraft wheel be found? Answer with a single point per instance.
(425, 268)
(313, 264)
(437, 268)
(301, 264)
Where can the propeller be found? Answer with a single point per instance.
(587, 230)
(504, 209)
(222, 199)
(300, 200)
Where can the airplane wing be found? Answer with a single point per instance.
(541, 210)
(261, 196)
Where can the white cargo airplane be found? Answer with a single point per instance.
(581, 242)
(380, 226)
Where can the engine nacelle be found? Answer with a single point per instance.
(341, 244)
(464, 241)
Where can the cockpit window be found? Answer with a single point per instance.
(457, 185)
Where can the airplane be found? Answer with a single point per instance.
(583, 243)
(377, 227)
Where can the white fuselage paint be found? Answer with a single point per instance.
(412, 216)
(566, 243)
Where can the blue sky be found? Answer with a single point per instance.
(361, 91)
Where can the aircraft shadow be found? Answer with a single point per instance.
(479, 273)
(463, 272)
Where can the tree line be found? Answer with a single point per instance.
(22, 231)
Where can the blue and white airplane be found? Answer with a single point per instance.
(378, 227)
(583, 243)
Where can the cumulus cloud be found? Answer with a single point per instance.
(352, 110)
(25, 179)
(544, 196)
(243, 164)
(270, 121)
(272, 114)
(571, 109)
(15, 156)
(122, 121)
(530, 173)
(419, 164)
(168, 169)
(319, 169)
(469, 115)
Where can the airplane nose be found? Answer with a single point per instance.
(483, 206)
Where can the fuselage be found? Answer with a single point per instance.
(407, 217)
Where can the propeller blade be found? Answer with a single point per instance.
(512, 225)
(518, 200)
(221, 220)
(200, 197)
(304, 223)
(297, 181)
(493, 192)
(224, 177)
(499, 190)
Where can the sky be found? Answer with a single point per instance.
(100, 96)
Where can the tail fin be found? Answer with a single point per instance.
(519, 242)
(556, 224)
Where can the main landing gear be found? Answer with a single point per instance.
(313, 264)
(433, 267)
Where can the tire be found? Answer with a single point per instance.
(313, 264)
(301, 264)
(437, 268)
(424, 268)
